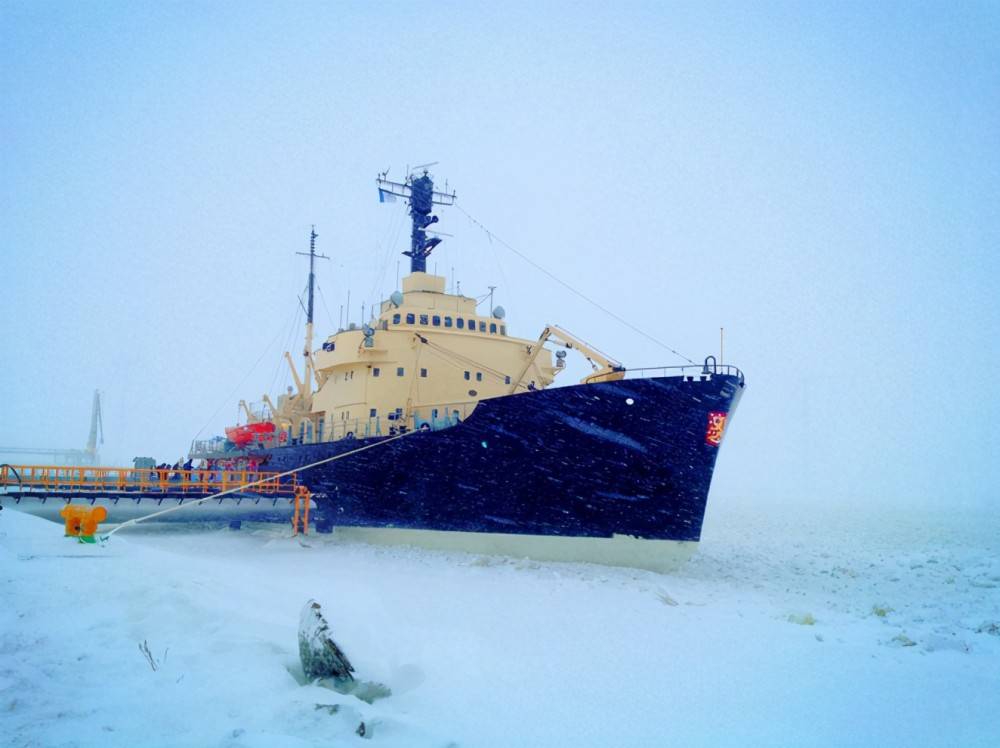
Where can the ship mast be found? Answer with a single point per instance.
(422, 197)
(307, 351)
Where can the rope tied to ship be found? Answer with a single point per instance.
(245, 486)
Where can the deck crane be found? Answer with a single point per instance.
(606, 369)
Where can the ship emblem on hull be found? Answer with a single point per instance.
(716, 427)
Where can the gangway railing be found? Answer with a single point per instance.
(113, 480)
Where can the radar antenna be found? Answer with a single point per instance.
(419, 192)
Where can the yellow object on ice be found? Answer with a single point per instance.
(82, 521)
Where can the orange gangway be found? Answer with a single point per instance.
(90, 480)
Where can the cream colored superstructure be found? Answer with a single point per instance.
(429, 361)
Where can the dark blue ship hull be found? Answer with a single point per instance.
(632, 457)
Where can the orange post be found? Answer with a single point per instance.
(295, 516)
(306, 498)
(302, 496)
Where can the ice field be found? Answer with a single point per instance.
(854, 628)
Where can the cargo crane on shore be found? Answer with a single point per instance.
(89, 455)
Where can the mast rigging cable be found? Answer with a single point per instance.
(566, 285)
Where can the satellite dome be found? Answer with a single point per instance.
(499, 312)
(396, 298)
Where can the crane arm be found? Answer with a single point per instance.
(320, 376)
(533, 352)
(279, 422)
(295, 375)
(606, 369)
(251, 418)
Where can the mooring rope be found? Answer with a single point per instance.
(195, 502)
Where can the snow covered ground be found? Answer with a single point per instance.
(850, 629)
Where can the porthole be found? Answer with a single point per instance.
(629, 401)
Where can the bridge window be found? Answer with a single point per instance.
(434, 413)
(479, 376)
(319, 430)
(376, 371)
(472, 325)
(482, 326)
(503, 329)
(410, 319)
(395, 319)
(493, 328)
(423, 373)
(371, 413)
(460, 323)
(467, 375)
(436, 321)
(423, 319)
(447, 321)
(506, 380)
(399, 371)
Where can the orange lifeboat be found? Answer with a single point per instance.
(252, 434)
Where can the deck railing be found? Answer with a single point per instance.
(689, 371)
(447, 415)
(140, 480)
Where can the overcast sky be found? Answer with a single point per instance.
(821, 180)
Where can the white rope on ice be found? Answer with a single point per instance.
(279, 476)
